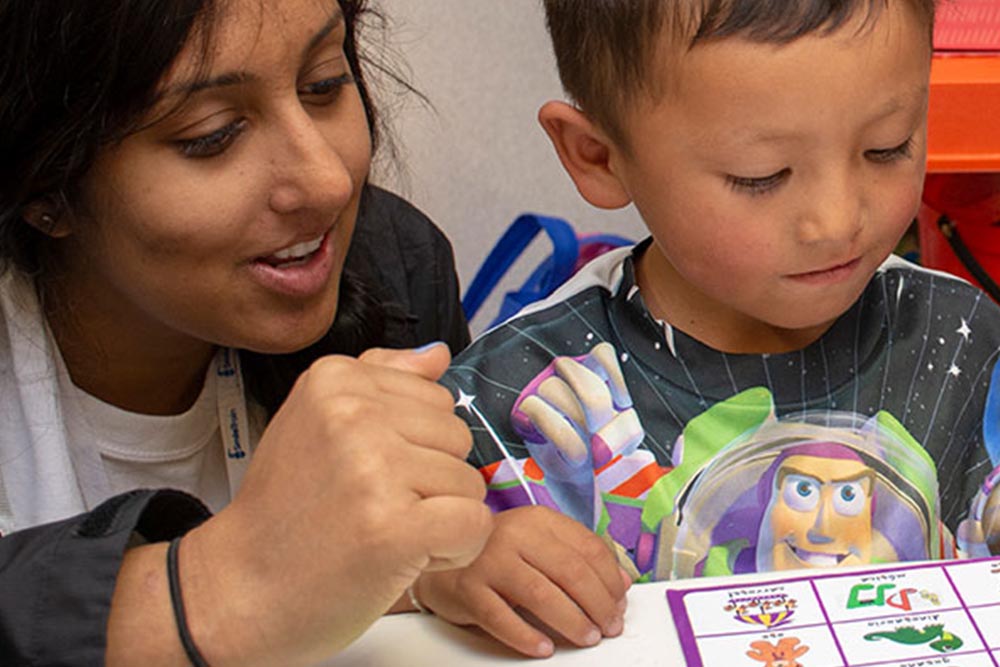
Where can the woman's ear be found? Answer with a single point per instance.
(585, 152)
(44, 216)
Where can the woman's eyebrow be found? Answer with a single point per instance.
(335, 22)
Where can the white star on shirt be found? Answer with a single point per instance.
(464, 400)
(954, 371)
(964, 330)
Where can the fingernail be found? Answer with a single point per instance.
(622, 606)
(545, 648)
(592, 637)
(425, 348)
(614, 628)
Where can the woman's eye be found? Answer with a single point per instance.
(326, 91)
(758, 186)
(213, 143)
(887, 155)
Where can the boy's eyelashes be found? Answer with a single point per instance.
(319, 93)
(885, 155)
(758, 186)
(765, 184)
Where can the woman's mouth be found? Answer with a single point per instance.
(296, 255)
(301, 270)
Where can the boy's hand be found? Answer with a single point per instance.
(544, 563)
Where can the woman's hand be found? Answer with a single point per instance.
(357, 486)
(545, 564)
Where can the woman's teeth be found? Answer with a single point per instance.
(297, 252)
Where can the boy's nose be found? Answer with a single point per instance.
(834, 216)
(309, 170)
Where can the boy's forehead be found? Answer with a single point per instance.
(742, 92)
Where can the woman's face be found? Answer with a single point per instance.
(228, 221)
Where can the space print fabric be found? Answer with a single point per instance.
(877, 443)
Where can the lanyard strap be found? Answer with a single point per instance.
(231, 412)
(233, 422)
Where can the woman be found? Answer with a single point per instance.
(180, 179)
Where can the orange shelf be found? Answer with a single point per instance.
(964, 116)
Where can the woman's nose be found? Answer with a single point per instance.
(309, 169)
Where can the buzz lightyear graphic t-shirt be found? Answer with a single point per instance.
(874, 444)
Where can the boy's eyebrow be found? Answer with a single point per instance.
(915, 97)
(335, 21)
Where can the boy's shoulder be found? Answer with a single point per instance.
(918, 299)
(922, 286)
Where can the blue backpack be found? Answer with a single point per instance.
(570, 251)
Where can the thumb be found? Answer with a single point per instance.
(429, 361)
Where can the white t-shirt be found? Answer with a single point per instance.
(63, 451)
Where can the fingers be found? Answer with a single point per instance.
(590, 390)
(559, 572)
(452, 530)
(603, 360)
(556, 429)
(429, 362)
(430, 429)
(430, 473)
(498, 619)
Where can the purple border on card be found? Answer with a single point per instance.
(685, 632)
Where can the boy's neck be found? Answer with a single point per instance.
(670, 298)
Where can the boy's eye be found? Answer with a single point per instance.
(758, 186)
(887, 155)
(326, 91)
(213, 143)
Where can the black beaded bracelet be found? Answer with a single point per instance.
(174, 579)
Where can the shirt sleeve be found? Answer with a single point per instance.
(412, 266)
(57, 579)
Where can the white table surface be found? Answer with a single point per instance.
(649, 639)
(416, 640)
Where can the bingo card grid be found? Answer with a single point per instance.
(918, 615)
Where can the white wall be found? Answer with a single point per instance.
(479, 158)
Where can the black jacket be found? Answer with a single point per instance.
(56, 580)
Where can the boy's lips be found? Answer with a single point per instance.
(830, 274)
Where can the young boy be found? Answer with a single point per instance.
(759, 385)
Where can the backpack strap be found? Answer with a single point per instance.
(551, 273)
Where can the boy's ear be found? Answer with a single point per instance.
(44, 216)
(585, 152)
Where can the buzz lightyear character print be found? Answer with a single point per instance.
(746, 492)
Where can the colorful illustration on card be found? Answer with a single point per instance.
(935, 636)
(766, 611)
(784, 653)
(888, 595)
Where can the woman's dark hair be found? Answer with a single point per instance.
(77, 76)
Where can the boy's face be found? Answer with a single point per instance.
(776, 178)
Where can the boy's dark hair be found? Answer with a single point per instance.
(605, 49)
